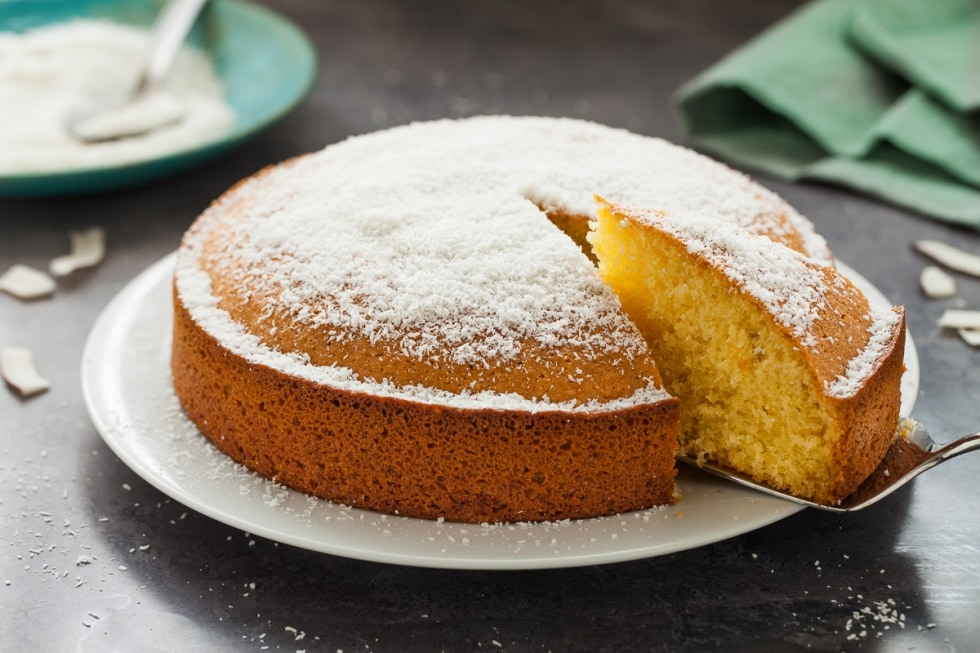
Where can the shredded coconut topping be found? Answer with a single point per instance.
(434, 236)
(406, 267)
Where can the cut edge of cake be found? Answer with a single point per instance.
(784, 370)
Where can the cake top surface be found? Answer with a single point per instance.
(433, 239)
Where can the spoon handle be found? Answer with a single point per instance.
(169, 32)
(961, 445)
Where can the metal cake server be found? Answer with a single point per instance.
(913, 452)
(149, 106)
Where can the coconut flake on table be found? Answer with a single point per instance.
(970, 336)
(966, 323)
(949, 256)
(936, 284)
(25, 282)
(959, 319)
(87, 250)
(17, 369)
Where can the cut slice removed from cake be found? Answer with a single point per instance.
(784, 370)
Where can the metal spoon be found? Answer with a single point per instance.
(912, 453)
(149, 106)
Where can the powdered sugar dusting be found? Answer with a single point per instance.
(439, 280)
(195, 287)
(433, 236)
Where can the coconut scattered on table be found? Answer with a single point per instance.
(25, 282)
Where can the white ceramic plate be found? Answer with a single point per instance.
(126, 380)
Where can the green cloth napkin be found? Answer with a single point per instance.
(936, 45)
(877, 95)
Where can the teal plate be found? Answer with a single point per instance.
(267, 65)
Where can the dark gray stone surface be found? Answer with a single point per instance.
(904, 575)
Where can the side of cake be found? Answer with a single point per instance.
(421, 459)
(784, 370)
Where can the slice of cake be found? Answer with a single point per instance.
(784, 370)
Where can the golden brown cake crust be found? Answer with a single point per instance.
(401, 457)
(873, 413)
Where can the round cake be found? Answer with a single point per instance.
(409, 321)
